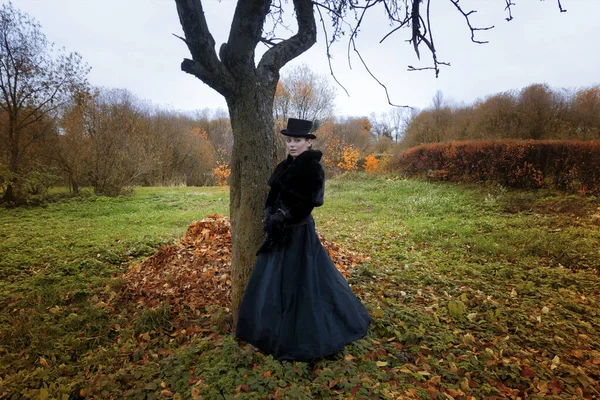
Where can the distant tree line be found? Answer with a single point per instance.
(536, 112)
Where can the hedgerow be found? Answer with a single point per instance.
(559, 164)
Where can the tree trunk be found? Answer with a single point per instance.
(251, 165)
(10, 194)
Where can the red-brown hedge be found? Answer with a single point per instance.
(561, 164)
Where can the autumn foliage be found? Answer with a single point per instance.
(195, 273)
(350, 158)
(565, 165)
(371, 163)
(222, 172)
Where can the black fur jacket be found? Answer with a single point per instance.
(297, 186)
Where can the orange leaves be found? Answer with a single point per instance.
(195, 272)
(371, 163)
(200, 132)
(190, 273)
(527, 372)
(222, 172)
(350, 158)
(564, 165)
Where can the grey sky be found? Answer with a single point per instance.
(129, 44)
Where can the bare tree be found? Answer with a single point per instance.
(72, 144)
(117, 157)
(586, 113)
(441, 116)
(249, 85)
(35, 82)
(304, 94)
(537, 111)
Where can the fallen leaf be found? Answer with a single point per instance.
(555, 362)
(577, 353)
(196, 394)
(43, 394)
(527, 373)
(196, 270)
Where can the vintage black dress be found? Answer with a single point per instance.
(297, 305)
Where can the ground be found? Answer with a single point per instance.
(475, 292)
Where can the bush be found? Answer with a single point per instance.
(30, 187)
(564, 165)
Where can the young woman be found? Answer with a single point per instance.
(297, 305)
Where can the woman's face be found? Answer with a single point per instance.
(297, 146)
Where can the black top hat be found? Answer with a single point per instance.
(299, 128)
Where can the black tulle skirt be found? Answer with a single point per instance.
(297, 305)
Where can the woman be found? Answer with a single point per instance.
(297, 305)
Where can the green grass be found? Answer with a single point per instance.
(476, 291)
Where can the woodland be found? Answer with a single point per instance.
(473, 239)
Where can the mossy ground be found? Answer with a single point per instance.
(475, 291)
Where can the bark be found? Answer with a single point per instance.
(10, 195)
(251, 166)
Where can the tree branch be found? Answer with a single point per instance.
(560, 7)
(205, 64)
(468, 21)
(246, 29)
(508, 8)
(387, 95)
(328, 50)
(280, 54)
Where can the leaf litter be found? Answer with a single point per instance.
(466, 350)
(195, 272)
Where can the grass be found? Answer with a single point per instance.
(474, 291)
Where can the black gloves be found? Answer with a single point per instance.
(267, 219)
(276, 224)
(275, 227)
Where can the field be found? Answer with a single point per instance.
(475, 292)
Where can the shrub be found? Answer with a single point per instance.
(30, 187)
(222, 172)
(350, 158)
(371, 163)
(564, 165)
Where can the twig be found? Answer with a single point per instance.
(468, 20)
(328, 46)
(355, 32)
(387, 95)
(179, 37)
(508, 8)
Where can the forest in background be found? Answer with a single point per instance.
(57, 129)
(110, 140)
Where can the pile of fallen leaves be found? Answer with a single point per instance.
(195, 272)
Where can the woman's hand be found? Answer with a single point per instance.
(267, 219)
(276, 223)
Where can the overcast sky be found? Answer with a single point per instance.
(130, 44)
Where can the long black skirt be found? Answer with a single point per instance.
(297, 305)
